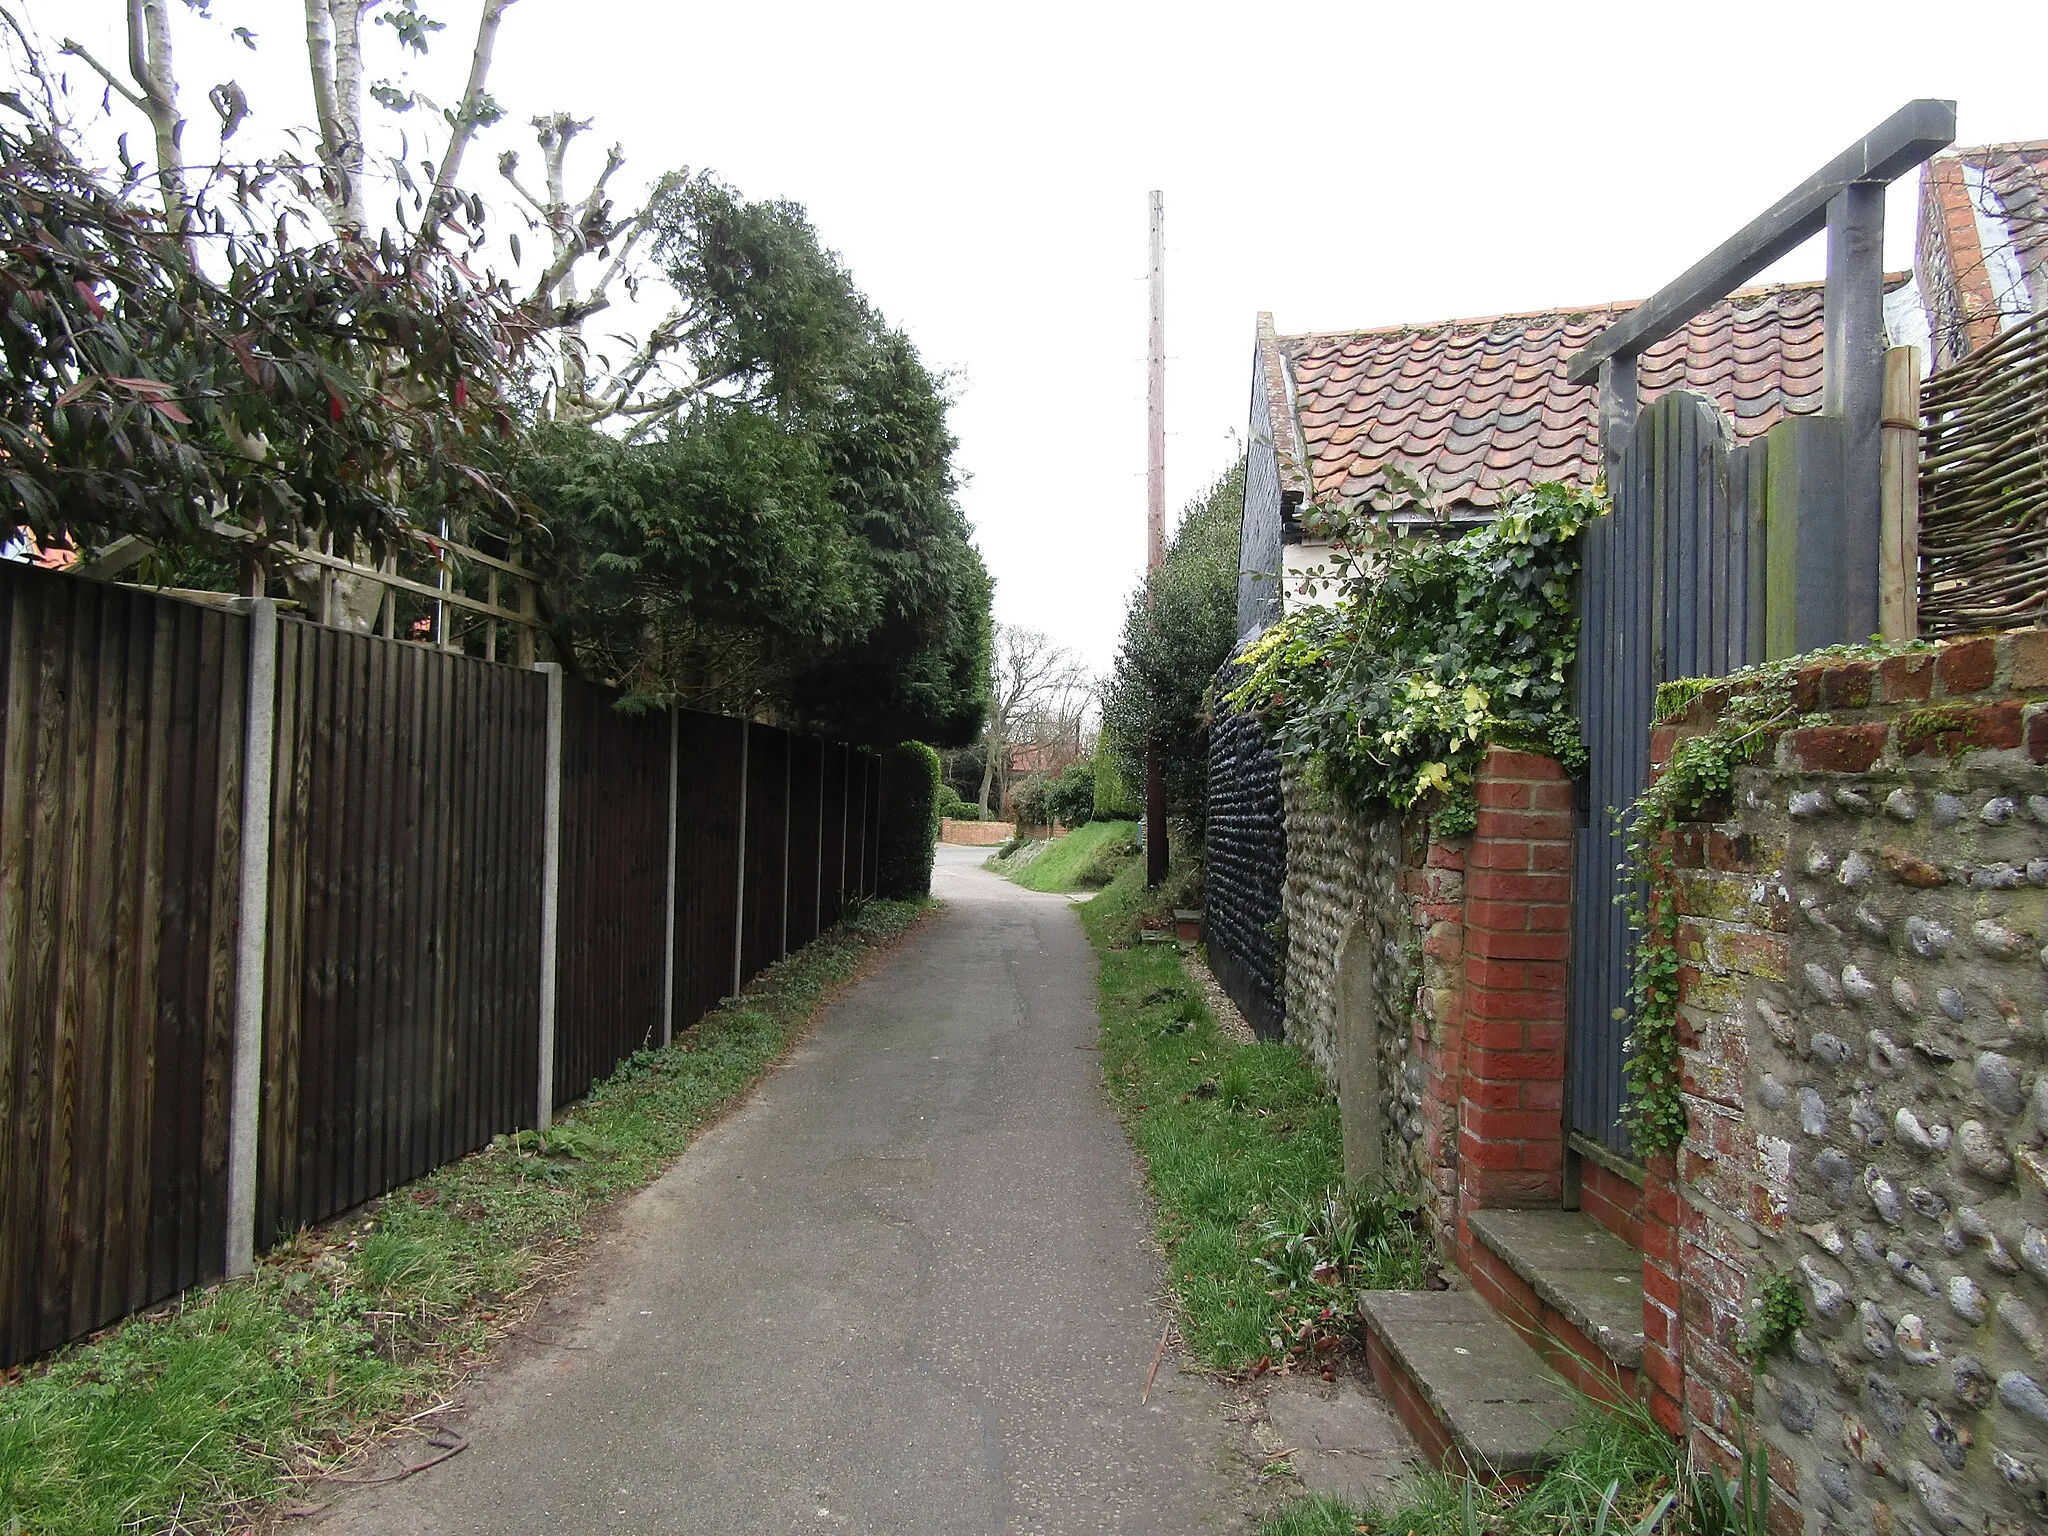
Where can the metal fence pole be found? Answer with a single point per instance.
(245, 1091)
(550, 896)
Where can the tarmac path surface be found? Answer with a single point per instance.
(909, 1287)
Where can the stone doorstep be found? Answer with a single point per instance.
(1492, 1399)
(1577, 1266)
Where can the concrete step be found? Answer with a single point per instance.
(1469, 1390)
(1570, 1287)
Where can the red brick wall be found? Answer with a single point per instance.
(1613, 1201)
(1516, 941)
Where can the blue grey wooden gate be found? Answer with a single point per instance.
(1673, 585)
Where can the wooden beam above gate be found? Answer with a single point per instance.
(1905, 139)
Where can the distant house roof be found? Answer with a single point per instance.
(1982, 248)
(1480, 408)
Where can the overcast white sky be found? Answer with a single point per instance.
(983, 172)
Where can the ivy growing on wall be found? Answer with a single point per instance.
(1762, 702)
(1436, 649)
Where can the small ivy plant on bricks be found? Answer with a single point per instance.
(1844, 1083)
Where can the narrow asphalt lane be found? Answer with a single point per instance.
(907, 1288)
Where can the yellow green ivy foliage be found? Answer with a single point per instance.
(1435, 649)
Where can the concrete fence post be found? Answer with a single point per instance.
(818, 894)
(668, 926)
(739, 906)
(550, 897)
(245, 1087)
(788, 773)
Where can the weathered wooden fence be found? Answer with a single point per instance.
(272, 898)
(614, 892)
(121, 723)
(404, 899)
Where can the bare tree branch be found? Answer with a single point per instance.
(469, 116)
(78, 50)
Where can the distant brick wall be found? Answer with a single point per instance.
(1866, 1084)
(975, 834)
(1245, 864)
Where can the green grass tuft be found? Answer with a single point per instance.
(1238, 1142)
(1622, 1449)
(197, 1416)
(1088, 856)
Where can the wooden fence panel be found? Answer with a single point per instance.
(121, 739)
(871, 846)
(614, 892)
(767, 848)
(403, 990)
(708, 754)
(805, 830)
(833, 839)
(401, 993)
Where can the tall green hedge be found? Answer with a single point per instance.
(1115, 800)
(1180, 627)
(910, 820)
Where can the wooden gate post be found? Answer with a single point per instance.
(1853, 386)
(1899, 495)
(668, 927)
(252, 917)
(550, 896)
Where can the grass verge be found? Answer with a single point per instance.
(1621, 1449)
(200, 1415)
(1088, 856)
(1244, 1154)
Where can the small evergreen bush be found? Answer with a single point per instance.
(910, 821)
(1071, 797)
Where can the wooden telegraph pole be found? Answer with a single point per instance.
(1155, 515)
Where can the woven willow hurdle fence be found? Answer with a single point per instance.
(1984, 488)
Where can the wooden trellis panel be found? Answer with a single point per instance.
(1984, 488)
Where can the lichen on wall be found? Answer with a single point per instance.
(1348, 899)
(1865, 1018)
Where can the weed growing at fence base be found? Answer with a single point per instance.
(196, 1416)
(1621, 1448)
(1233, 1136)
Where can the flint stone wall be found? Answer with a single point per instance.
(1245, 863)
(1373, 918)
(1864, 1023)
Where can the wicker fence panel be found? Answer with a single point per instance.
(1984, 487)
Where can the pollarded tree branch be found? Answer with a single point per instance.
(471, 112)
(334, 52)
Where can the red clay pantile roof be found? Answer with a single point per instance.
(1480, 407)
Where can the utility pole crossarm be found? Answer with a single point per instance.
(1902, 141)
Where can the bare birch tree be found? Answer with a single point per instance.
(1037, 689)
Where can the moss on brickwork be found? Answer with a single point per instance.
(1860, 1083)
